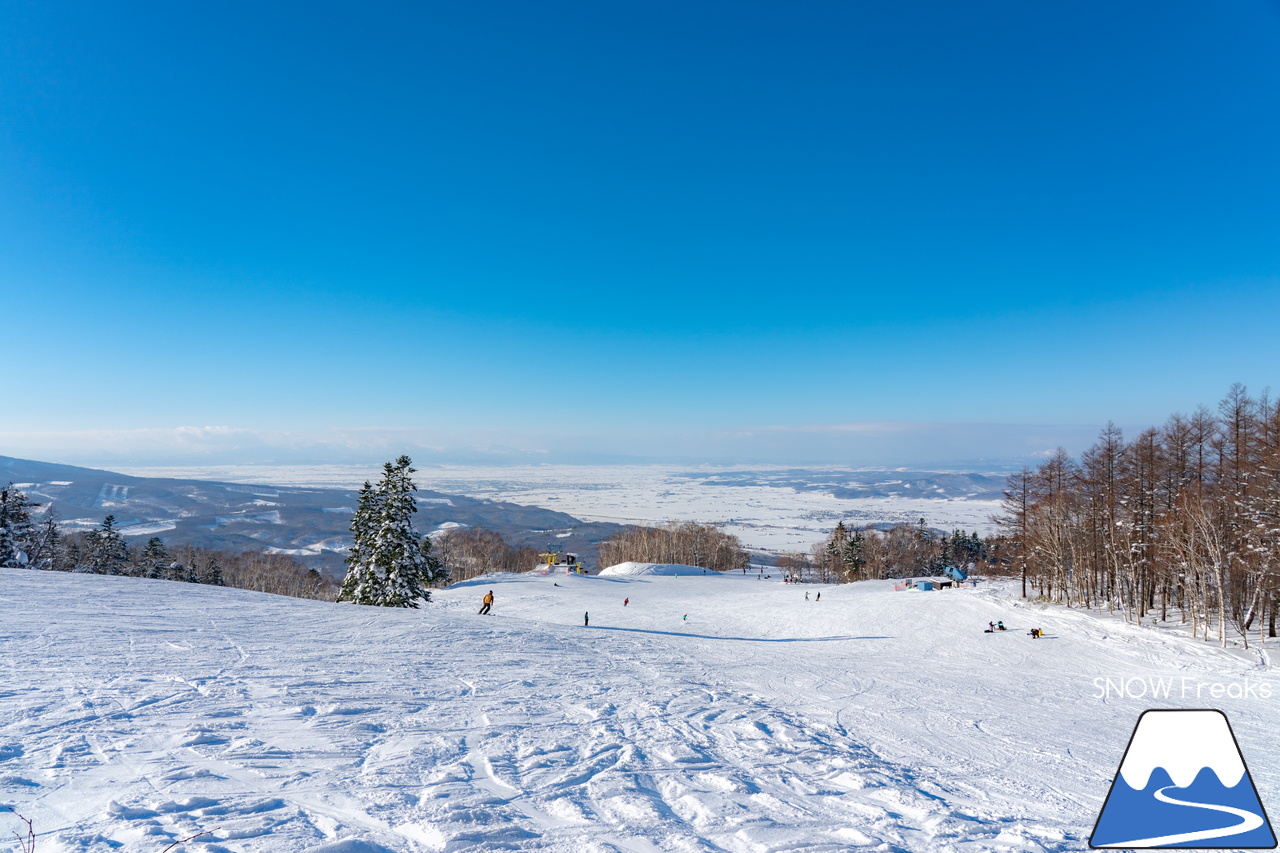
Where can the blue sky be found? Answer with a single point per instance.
(647, 229)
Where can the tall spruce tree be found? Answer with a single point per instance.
(108, 553)
(155, 552)
(388, 566)
(210, 574)
(362, 584)
(154, 560)
(854, 559)
(15, 527)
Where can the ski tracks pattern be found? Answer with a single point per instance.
(269, 729)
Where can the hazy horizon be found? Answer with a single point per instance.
(976, 447)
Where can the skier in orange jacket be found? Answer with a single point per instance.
(488, 603)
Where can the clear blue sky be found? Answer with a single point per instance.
(674, 219)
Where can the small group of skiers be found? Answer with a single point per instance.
(993, 627)
(806, 597)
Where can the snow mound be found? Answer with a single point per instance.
(349, 845)
(632, 569)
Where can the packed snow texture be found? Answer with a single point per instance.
(634, 569)
(723, 713)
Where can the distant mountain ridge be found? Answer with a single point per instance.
(309, 523)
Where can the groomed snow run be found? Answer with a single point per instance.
(722, 713)
(632, 569)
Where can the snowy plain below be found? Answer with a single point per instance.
(765, 517)
(711, 713)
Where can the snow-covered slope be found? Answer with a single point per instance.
(633, 569)
(718, 713)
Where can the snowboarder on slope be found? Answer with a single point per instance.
(819, 598)
(586, 620)
(806, 595)
(488, 602)
(625, 602)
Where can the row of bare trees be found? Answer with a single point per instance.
(279, 574)
(468, 552)
(262, 571)
(685, 543)
(1182, 520)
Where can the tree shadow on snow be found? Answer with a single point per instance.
(738, 639)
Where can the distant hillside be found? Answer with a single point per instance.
(309, 523)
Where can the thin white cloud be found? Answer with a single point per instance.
(856, 427)
(859, 444)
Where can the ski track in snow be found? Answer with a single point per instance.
(134, 713)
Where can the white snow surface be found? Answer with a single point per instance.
(634, 569)
(721, 713)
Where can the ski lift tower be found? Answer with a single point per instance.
(551, 561)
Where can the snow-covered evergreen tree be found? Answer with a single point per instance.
(853, 559)
(362, 585)
(15, 527)
(155, 552)
(387, 565)
(210, 574)
(154, 560)
(107, 552)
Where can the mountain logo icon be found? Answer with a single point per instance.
(1183, 783)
